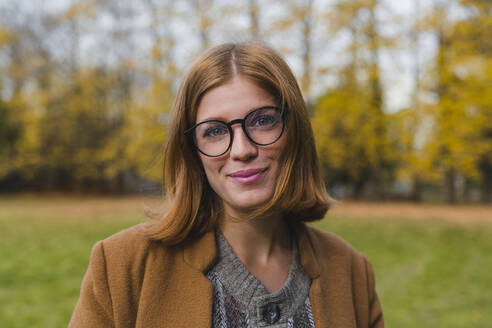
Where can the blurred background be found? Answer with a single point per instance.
(400, 93)
(400, 97)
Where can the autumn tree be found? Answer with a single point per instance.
(350, 124)
(147, 120)
(409, 125)
(473, 38)
(460, 141)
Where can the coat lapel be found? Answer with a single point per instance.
(175, 291)
(198, 299)
(330, 287)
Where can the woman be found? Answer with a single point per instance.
(241, 174)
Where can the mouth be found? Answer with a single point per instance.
(248, 176)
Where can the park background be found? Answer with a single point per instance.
(400, 98)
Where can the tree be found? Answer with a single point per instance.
(349, 121)
(10, 133)
(460, 142)
(473, 56)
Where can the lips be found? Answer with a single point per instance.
(247, 176)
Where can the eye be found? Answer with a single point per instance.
(263, 120)
(215, 131)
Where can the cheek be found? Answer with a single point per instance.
(212, 168)
(278, 149)
(207, 167)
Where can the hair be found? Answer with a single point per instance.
(193, 208)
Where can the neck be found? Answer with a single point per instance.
(259, 239)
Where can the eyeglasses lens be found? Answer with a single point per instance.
(263, 127)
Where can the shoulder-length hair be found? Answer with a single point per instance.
(193, 208)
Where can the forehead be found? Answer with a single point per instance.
(232, 100)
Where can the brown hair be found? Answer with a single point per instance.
(193, 207)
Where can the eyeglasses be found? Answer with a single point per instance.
(263, 126)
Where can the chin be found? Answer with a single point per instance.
(248, 202)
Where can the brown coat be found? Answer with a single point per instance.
(135, 282)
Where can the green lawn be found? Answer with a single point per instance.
(429, 273)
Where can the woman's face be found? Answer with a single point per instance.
(245, 176)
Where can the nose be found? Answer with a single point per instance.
(242, 149)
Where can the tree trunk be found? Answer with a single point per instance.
(450, 185)
(416, 194)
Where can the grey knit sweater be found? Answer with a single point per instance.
(241, 300)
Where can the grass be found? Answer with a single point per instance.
(430, 273)
(44, 252)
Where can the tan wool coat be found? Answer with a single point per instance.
(133, 281)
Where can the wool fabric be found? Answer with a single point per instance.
(241, 300)
(134, 281)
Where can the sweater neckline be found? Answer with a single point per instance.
(250, 292)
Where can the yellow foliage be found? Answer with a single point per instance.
(5, 36)
(350, 135)
(462, 117)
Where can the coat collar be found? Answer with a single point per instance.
(326, 306)
(306, 250)
(202, 254)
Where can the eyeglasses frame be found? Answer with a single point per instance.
(231, 131)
